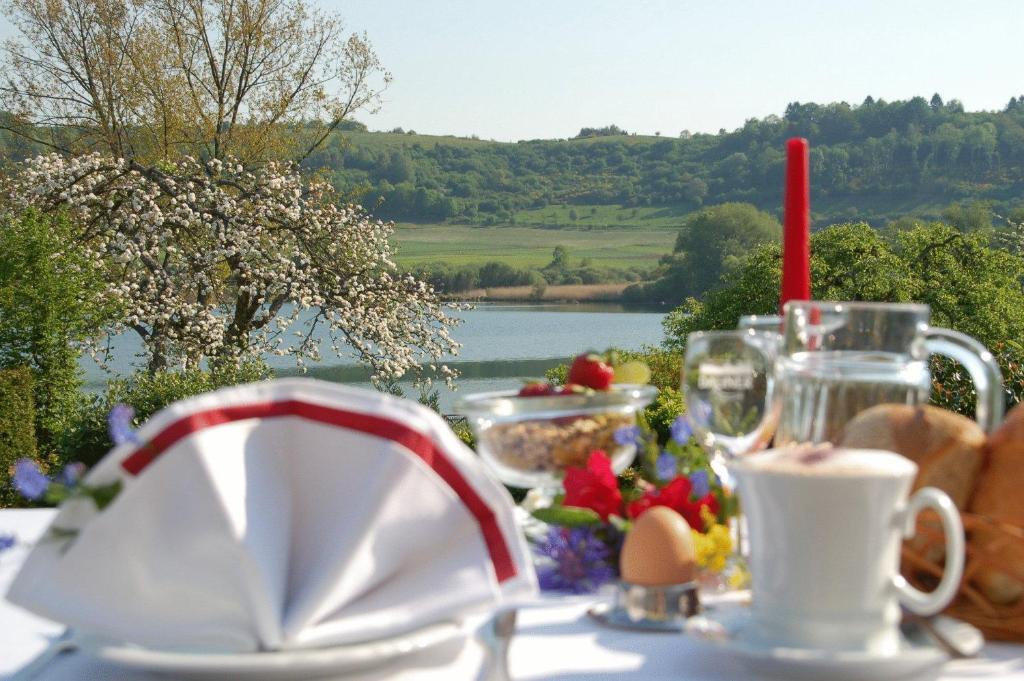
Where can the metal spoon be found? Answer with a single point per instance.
(959, 640)
(496, 635)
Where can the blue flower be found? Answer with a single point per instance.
(29, 480)
(70, 475)
(700, 482)
(580, 561)
(628, 435)
(119, 424)
(681, 430)
(665, 466)
(7, 541)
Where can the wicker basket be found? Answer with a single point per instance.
(987, 544)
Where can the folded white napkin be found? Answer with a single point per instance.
(288, 514)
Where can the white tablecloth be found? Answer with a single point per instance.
(552, 643)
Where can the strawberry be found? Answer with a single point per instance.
(537, 389)
(591, 371)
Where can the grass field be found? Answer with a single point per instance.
(390, 140)
(604, 217)
(381, 140)
(530, 246)
(562, 293)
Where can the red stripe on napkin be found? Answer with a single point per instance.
(416, 442)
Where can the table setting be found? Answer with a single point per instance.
(810, 516)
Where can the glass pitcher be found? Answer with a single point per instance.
(839, 359)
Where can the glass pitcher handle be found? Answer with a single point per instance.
(984, 371)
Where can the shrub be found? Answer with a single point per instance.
(669, 404)
(17, 427)
(969, 286)
(87, 441)
(50, 303)
(463, 431)
(538, 285)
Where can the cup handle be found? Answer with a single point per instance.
(931, 603)
(984, 371)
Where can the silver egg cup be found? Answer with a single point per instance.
(651, 608)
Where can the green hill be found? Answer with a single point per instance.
(874, 161)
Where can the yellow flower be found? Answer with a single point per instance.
(739, 578)
(713, 547)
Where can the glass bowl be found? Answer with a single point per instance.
(530, 441)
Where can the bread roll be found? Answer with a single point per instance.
(1000, 490)
(948, 448)
(999, 495)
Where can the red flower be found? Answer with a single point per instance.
(594, 487)
(676, 495)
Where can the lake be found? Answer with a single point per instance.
(503, 345)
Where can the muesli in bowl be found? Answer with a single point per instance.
(530, 437)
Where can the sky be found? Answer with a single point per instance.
(526, 69)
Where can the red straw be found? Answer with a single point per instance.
(796, 235)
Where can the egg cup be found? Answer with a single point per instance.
(652, 608)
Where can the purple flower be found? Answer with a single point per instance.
(7, 541)
(681, 430)
(580, 561)
(700, 482)
(665, 466)
(29, 480)
(119, 424)
(70, 475)
(628, 435)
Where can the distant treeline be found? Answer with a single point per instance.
(449, 278)
(875, 161)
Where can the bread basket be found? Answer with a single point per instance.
(988, 597)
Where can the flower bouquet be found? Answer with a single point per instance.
(587, 523)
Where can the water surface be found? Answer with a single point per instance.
(503, 345)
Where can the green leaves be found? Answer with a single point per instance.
(101, 495)
(567, 516)
(49, 304)
(969, 285)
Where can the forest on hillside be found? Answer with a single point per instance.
(874, 161)
(877, 162)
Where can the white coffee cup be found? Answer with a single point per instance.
(825, 527)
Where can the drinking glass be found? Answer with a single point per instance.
(728, 380)
(838, 359)
(771, 323)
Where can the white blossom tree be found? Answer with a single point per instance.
(216, 261)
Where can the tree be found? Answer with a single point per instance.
(559, 258)
(606, 131)
(969, 286)
(398, 169)
(210, 260)
(709, 245)
(976, 216)
(152, 79)
(50, 305)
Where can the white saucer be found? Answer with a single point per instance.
(917, 659)
(272, 666)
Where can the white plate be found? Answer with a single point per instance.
(273, 666)
(723, 629)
